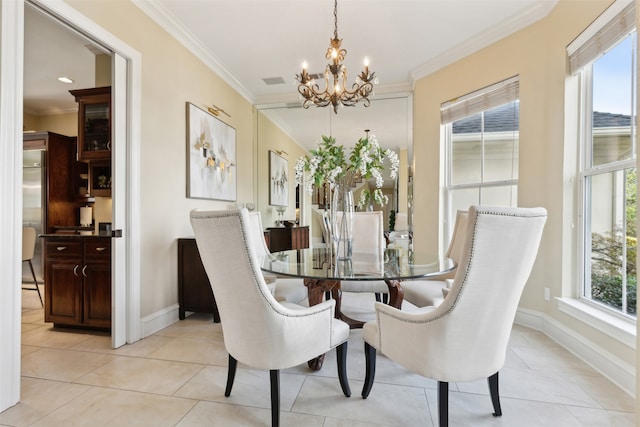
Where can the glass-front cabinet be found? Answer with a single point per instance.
(94, 123)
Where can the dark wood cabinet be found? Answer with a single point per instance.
(94, 123)
(286, 238)
(194, 288)
(60, 202)
(78, 281)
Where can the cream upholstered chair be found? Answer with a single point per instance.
(258, 330)
(431, 292)
(465, 338)
(368, 246)
(283, 289)
(28, 250)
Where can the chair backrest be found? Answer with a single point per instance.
(468, 333)
(456, 244)
(402, 222)
(28, 243)
(248, 311)
(368, 238)
(257, 329)
(257, 234)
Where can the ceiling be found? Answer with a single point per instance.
(246, 41)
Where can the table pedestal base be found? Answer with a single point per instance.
(317, 288)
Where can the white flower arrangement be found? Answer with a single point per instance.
(328, 164)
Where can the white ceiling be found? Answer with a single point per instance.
(246, 41)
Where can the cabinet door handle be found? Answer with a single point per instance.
(75, 270)
(100, 249)
(84, 270)
(61, 248)
(109, 145)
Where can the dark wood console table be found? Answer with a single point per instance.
(194, 289)
(288, 238)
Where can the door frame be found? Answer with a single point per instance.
(126, 92)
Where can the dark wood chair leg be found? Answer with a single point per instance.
(275, 397)
(443, 404)
(35, 281)
(231, 374)
(495, 394)
(341, 352)
(370, 370)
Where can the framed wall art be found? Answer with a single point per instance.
(211, 156)
(278, 180)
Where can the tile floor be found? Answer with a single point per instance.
(176, 377)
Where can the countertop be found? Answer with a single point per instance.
(80, 234)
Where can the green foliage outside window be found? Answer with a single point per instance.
(606, 257)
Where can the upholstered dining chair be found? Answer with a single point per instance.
(431, 292)
(258, 330)
(368, 244)
(464, 338)
(28, 251)
(283, 289)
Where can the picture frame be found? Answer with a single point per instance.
(278, 180)
(211, 156)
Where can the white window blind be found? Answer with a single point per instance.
(480, 100)
(606, 31)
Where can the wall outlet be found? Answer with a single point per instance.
(547, 294)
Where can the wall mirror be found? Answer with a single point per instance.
(292, 131)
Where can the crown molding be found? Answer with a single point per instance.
(484, 39)
(165, 19)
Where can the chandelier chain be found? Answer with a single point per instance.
(335, 19)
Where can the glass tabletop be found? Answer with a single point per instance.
(392, 264)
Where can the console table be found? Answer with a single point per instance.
(194, 289)
(288, 238)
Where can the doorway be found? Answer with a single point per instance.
(126, 95)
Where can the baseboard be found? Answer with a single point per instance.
(609, 365)
(159, 320)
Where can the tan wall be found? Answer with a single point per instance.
(171, 76)
(538, 55)
(64, 124)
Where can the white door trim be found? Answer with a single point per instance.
(11, 54)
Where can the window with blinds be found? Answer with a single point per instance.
(481, 140)
(604, 59)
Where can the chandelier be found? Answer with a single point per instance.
(337, 93)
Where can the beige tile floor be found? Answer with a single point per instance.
(176, 377)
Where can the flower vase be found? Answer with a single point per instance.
(342, 209)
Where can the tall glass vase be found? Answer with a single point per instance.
(342, 209)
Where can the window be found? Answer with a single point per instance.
(481, 135)
(606, 66)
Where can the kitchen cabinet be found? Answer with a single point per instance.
(94, 123)
(100, 178)
(55, 178)
(286, 238)
(77, 273)
(194, 289)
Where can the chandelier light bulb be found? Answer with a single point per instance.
(366, 61)
(304, 65)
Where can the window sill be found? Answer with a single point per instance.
(613, 326)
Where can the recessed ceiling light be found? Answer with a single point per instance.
(64, 79)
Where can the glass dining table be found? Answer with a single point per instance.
(322, 274)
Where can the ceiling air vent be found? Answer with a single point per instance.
(273, 80)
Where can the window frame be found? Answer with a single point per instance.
(586, 171)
